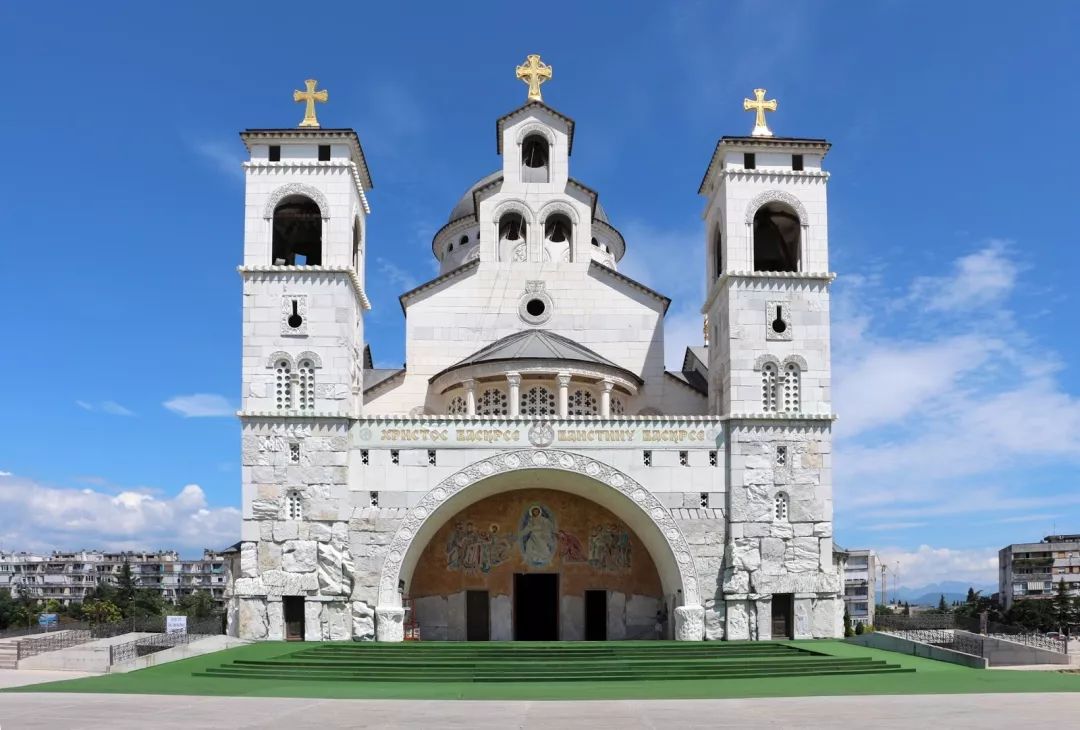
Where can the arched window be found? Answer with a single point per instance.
(777, 234)
(537, 401)
(534, 159)
(283, 384)
(492, 402)
(792, 385)
(718, 253)
(457, 406)
(780, 507)
(357, 245)
(297, 233)
(768, 387)
(596, 243)
(463, 240)
(583, 403)
(305, 385)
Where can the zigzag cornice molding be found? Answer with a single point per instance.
(308, 166)
(350, 274)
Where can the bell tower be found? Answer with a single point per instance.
(305, 221)
(767, 309)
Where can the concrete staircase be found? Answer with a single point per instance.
(542, 662)
(9, 655)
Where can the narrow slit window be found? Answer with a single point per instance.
(275, 153)
(324, 153)
(294, 453)
(373, 499)
(749, 161)
(364, 458)
(646, 458)
(703, 499)
(395, 456)
(431, 457)
(712, 458)
(684, 458)
(797, 163)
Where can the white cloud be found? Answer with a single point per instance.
(399, 277)
(108, 406)
(225, 157)
(926, 564)
(978, 279)
(38, 517)
(200, 405)
(938, 411)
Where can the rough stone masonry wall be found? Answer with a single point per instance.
(332, 556)
(765, 555)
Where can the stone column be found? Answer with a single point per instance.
(389, 623)
(470, 397)
(605, 398)
(564, 394)
(689, 623)
(514, 379)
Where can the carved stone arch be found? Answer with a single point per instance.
(759, 363)
(536, 128)
(633, 503)
(281, 355)
(309, 355)
(798, 360)
(308, 191)
(513, 206)
(558, 206)
(776, 196)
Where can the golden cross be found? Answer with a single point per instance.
(760, 106)
(310, 96)
(534, 73)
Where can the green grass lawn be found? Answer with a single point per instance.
(930, 677)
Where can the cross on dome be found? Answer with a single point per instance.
(759, 106)
(534, 72)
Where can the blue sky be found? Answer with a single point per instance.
(955, 351)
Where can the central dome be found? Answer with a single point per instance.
(466, 205)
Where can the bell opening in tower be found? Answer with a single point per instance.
(777, 233)
(534, 159)
(297, 233)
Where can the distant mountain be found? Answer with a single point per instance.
(930, 594)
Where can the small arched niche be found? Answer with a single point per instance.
(297, 232)
(535, 159)
(718, 253)
(777, 238)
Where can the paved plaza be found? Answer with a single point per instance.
(119, 712)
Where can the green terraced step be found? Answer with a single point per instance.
(545, 662)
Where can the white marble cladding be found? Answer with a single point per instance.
(741, 313)
(334, 329)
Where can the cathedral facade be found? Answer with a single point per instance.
(534, 471)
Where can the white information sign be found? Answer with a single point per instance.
(176, 624)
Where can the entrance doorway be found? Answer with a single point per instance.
(595, 615)
(783, 609)
(536, 606)
(293, 609)
(477, 616)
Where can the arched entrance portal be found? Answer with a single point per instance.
(536, 564)
(635, 507)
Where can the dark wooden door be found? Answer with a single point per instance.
(783, 609)
(477, 616)
(293, 609)
(595, 615)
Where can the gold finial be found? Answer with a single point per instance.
(310, 96)
(534, 73)
(760, 106)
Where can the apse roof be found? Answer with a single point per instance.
(534, 345)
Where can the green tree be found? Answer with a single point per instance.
(942, 606)
(859, 629)
(1064, 610)
(847, 623)
(101, 612)
(197, 605)
(907, 608)
(126, 587)
(1034, 614)
(146, 602)
(8, 608)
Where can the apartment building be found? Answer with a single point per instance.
(1033, 569)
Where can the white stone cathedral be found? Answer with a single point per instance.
(534, 471)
